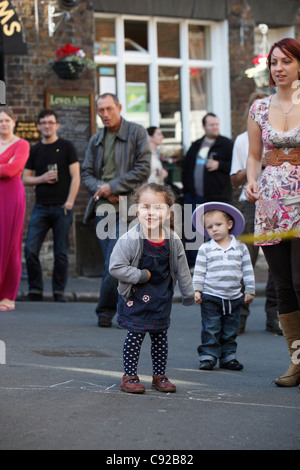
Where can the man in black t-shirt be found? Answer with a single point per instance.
(53, 169)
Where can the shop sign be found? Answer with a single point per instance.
(11, 40)
(28, 131)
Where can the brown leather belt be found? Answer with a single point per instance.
(276, 157)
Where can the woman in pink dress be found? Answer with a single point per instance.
(14, 153)
(274, 126)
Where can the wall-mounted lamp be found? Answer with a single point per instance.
(68, 4)
(59, 11)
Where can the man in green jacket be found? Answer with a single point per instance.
(117, 160)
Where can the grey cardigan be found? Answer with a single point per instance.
(132, 161)
(126, 256)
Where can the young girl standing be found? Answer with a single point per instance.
(147, 261)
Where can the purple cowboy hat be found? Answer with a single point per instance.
(237, 216)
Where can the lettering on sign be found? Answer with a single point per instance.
(76, 117)
(6, 15)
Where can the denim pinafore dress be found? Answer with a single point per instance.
(149, 307)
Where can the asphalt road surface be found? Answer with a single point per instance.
(59, 388)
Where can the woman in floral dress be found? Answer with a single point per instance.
(274, 128)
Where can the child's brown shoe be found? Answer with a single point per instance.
(131, 384)
(162, 384)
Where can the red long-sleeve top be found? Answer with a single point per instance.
(13, 160)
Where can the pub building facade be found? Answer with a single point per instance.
(169, 61)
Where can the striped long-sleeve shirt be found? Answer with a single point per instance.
(219, 272)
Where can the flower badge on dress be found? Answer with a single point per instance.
(130, 303)
(146, 298)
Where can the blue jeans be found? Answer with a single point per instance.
(45, 217)
(220, 325)
(191, 255)
(108, 300)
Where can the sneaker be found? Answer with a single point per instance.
(60, 298)
(274, 327)
(232, 365)
(206, 365)
(131, 384)
(104, 322)
(31, 297)
(162, 384)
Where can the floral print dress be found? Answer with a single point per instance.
(276, 182)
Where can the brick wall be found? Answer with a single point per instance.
(30, 77)
(241, 52)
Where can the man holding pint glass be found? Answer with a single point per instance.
(53, 169)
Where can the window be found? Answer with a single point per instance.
(165, 72)
(137, 94)
(198, 42)
(105, 38)
(136, 38)
(168, 40)
(170, 104)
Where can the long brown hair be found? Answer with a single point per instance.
(256, 95)
(290, 47)
(8, 110)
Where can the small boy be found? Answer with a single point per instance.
(221, 265)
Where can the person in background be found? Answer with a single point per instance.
(53, 169)
(205, 170)
(238, 180)
(274, 128)
(14, 153)
(158, 173)
(117, 160)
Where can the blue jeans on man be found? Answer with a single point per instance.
(220, 324)
(108, 235)
(45, 217)
(193, 202)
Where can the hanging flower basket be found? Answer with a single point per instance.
(70, 62)
(68, 70)
(261, 78)
(260, 72)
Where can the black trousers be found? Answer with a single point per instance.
(284, 262)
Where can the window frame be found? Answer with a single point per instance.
(218, 64)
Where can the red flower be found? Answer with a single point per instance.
(66, 51)
(195, 72)
(261, 58)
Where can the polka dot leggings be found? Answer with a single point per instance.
(132, 348)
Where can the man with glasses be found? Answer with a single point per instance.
(53, 169)
(117, 160)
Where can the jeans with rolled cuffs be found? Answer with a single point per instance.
(220, 325)
(45, 217)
